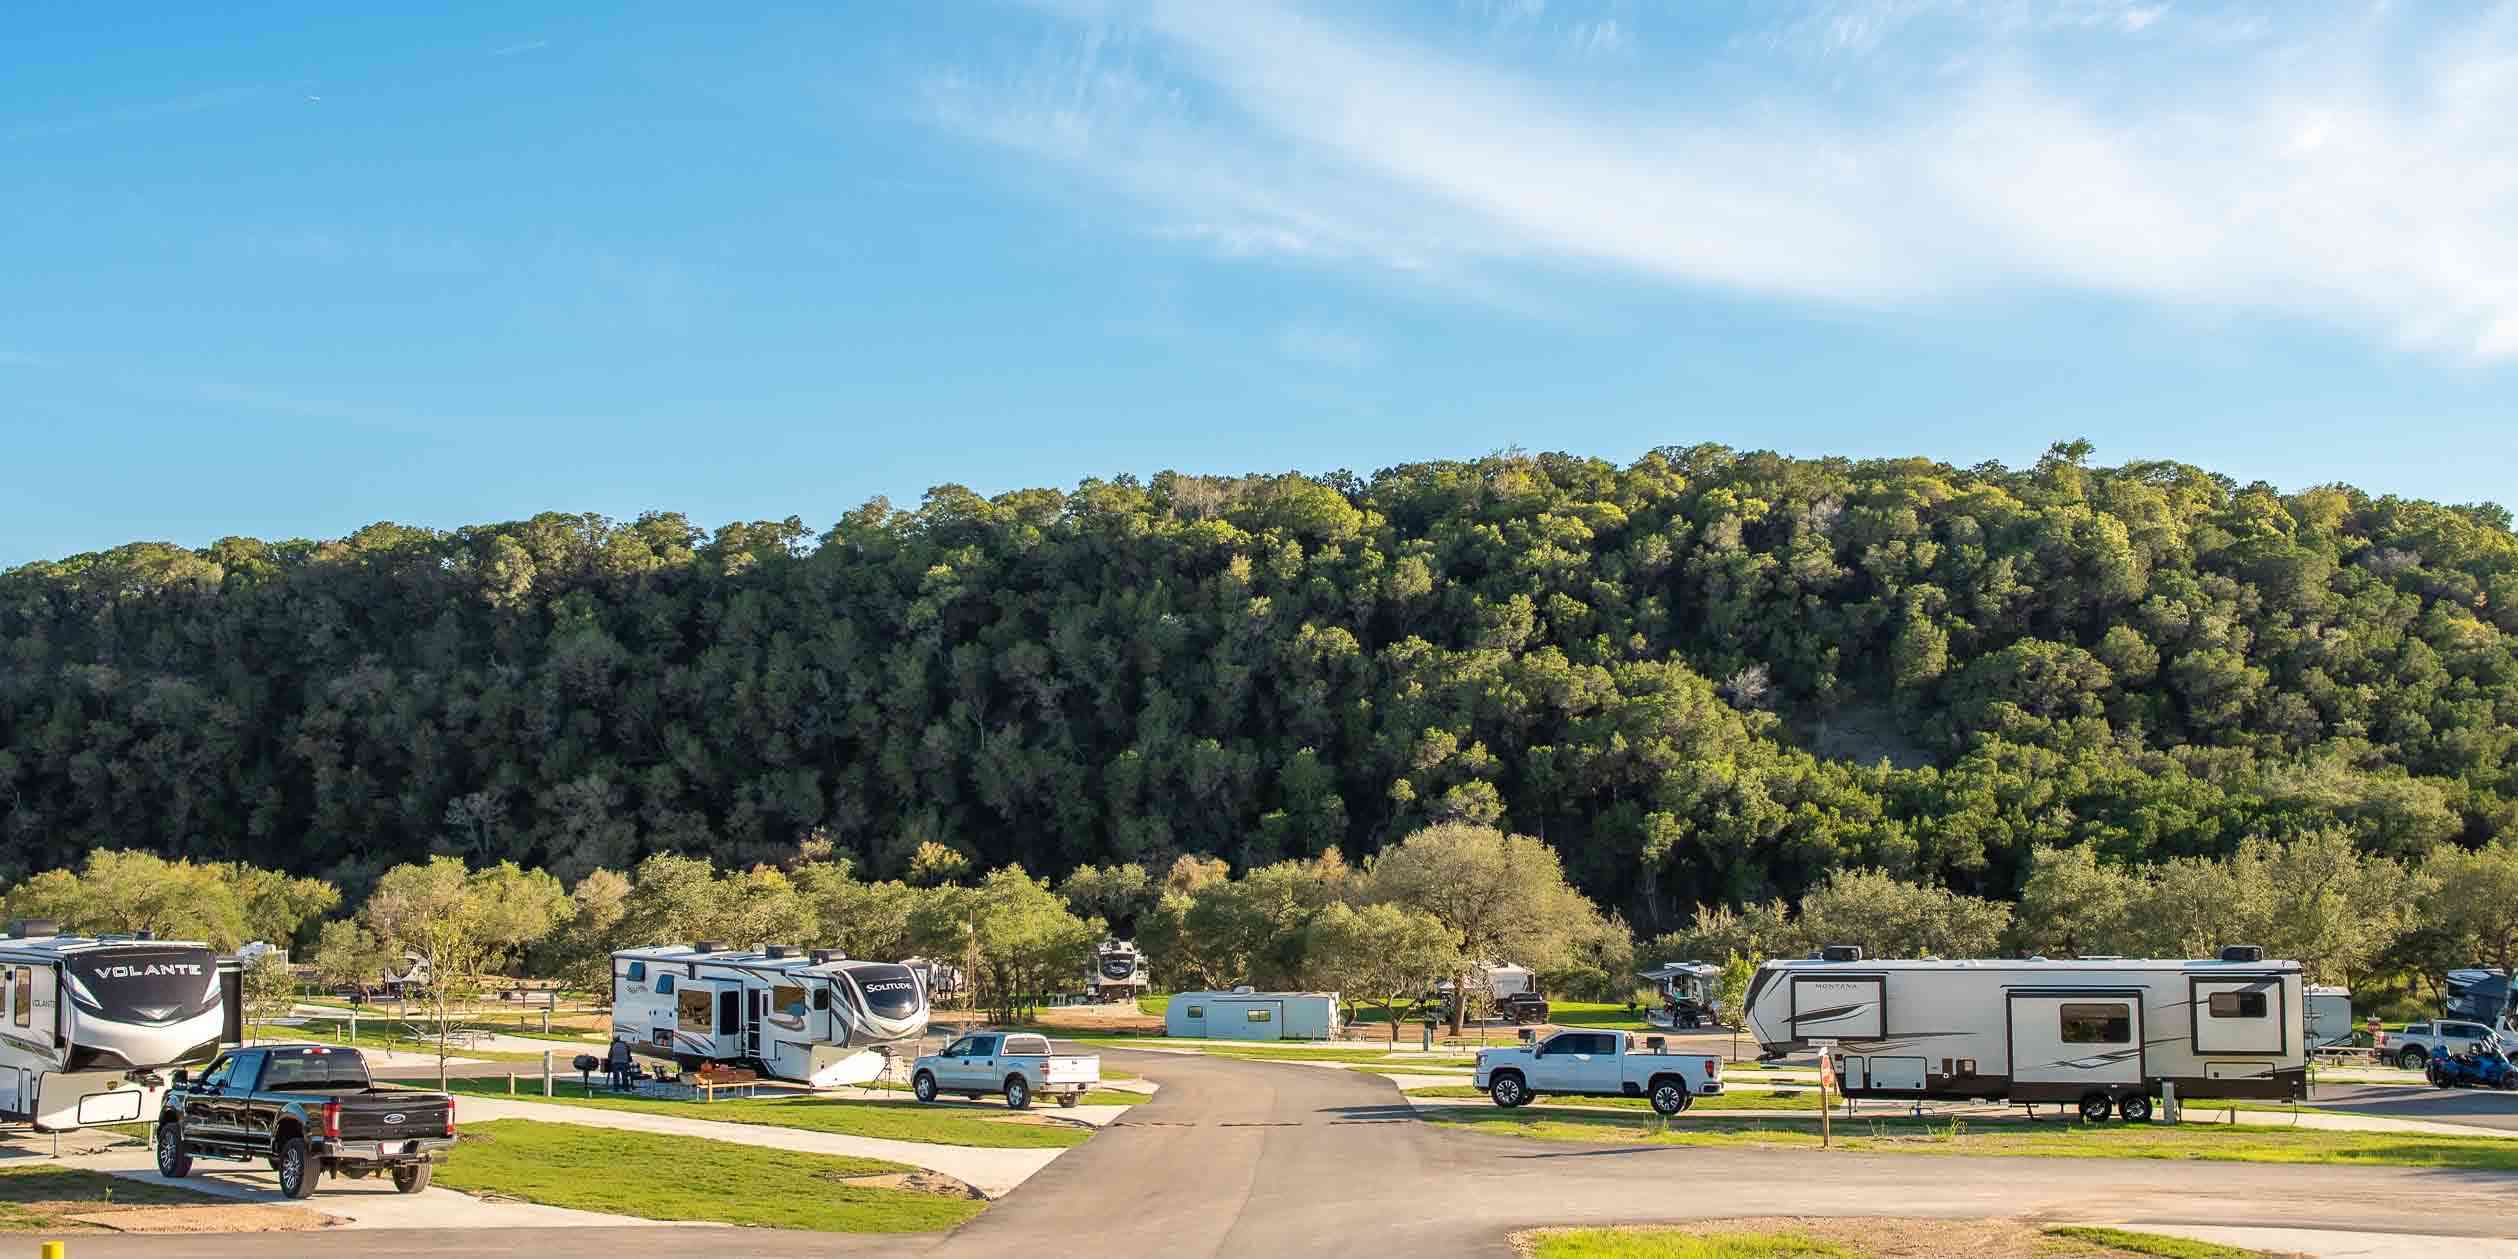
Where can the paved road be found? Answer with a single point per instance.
(2481, 1108)
(1242, 1159)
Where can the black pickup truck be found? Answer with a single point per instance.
(308, 1109)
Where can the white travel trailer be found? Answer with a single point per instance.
(2101, 1035)
(817, 1019)
(89, 1028)
(2329, 1017)
(1118, 972)
(1246, 1015)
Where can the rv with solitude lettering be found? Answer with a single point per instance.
(816, 1018)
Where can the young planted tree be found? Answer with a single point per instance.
(459, 925)
(348, 955)
(1017, 938)
(270, 991)
(1501, 897)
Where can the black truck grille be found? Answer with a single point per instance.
(379, 1122)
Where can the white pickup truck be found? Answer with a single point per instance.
(2415, 1046)
(1017, 1064)
(1597, 1064)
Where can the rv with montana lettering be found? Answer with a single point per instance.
(816, 1018)
(2102, 1034)
(92, 1028)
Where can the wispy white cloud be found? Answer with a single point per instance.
(511, 50)
(2360, 169)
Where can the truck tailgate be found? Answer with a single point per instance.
(1071, 1069)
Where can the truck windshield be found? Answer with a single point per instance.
(313, 1070)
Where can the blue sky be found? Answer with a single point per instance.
(293, 271)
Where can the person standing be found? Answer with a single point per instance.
(619, 1063)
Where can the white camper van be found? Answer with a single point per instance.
(1243, 1014)
(817, 1019)
(89, 1028)
(2102, 1035)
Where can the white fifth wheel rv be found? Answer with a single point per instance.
(89, 1028)
(2098, 1034)
(1118, 972)
(817, 1019)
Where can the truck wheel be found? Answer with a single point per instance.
(2412, 1059)
(923, 1086)
(1670, 1097)
(172, 1162)
(2135, 1108)
(298, 1172)
(1018, 1093)
(1069, 1100)
(411, 1177)
(2094, 1108)
(1508, 1090)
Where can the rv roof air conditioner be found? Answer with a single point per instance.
(31, 928)
(1841, 953)
(1243, 988)
(783, 950)
(2242, 953)
(709, 946)
(829, 955)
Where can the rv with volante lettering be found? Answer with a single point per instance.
(91, 1028)
(2103, 1035)
(817, 1018)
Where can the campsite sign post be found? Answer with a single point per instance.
(1827, 1081)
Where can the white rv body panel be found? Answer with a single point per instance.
(821, 1020)
(89, 1028)
(2036, 1030)
(1247, 1015)
(2329, 1017)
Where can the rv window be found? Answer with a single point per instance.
(821, 998)
(787, 999)
(664, 985)
(690, 1011)
(1197, 1011)
(1259, 1016)
(638, 972)
(23, 1000)
(2110, 1023)
(2238, 1005)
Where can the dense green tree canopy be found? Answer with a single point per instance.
(1707, 676)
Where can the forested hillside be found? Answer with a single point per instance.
(1655, 668)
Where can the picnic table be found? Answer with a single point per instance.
(709, 1081)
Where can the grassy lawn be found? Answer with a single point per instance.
(891, 1121)
(1738, 1099)
(2148, 1243)
(2206, 1142)
(1155, 1006)
(1657, 1243)
(600, 1169)
(36, 1198)
(387, 1033)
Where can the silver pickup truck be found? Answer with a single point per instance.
(1017, 1064)
(1597, 1064)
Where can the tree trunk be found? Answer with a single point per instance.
(1459, 1003)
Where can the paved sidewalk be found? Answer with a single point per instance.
(1992, 1115)
(995, 1173)
(2326, 1244)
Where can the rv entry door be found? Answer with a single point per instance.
(2066, 1044)
(755, 1003)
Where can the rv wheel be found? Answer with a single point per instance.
(924, 1087)
(2094, 1108)
(2135, 1108)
